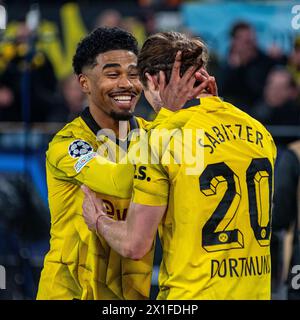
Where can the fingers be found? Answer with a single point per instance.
(88, 200)
(85, 189)
(189, 73)
(200, 77)
(176, 66)
(194, 75)
(88, 192)
(192, 80)
(180, 89)
(175, 73)
(213, 88)
(87, 205)
(202, 86)
(91, 200)
(162, 81)
(212, 85)
(204, 72)
(204, 83)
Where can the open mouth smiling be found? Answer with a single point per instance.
(123, 98)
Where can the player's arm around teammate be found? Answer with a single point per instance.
(144, 218)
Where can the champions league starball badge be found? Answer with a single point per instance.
(79, 148)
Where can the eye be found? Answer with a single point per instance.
(112, 75)
(133, 75)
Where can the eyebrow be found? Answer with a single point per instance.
(111, 65)
(117, 65)
(132, 66)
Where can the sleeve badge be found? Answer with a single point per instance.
(79, 148)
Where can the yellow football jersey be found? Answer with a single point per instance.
(79, 264)
(216, 232)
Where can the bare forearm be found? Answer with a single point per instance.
(115, 233)
(132, 238)
(128, 243)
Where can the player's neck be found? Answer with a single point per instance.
(104, 121)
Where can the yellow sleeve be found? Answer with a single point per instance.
(150, 185)
(98, 173)
(151, 181)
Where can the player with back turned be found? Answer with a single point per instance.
(215, 222)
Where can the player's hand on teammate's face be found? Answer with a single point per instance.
(175, 94)
(92, 207)
(181, 89)
(208, 83)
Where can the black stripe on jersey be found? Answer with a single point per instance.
(93, 125)
(125, 144)
(89, 120)
(133, 123)
(191, 103)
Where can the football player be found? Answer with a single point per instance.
(214, 221)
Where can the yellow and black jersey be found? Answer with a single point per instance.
(216, 231)
(79, 264)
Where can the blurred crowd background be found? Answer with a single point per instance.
(255, 57)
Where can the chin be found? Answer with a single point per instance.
(121, 116)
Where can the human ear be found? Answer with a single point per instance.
(152, 82)
(84, 83)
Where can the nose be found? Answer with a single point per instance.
(125, 83)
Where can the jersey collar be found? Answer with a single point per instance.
(192, 103)
(89, 120)
(197, 101)
(93, 125)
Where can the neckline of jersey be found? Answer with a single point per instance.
(197, 101)
(94, 127)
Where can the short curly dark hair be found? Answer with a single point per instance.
(99, 41)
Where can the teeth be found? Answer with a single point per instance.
(122, 98)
